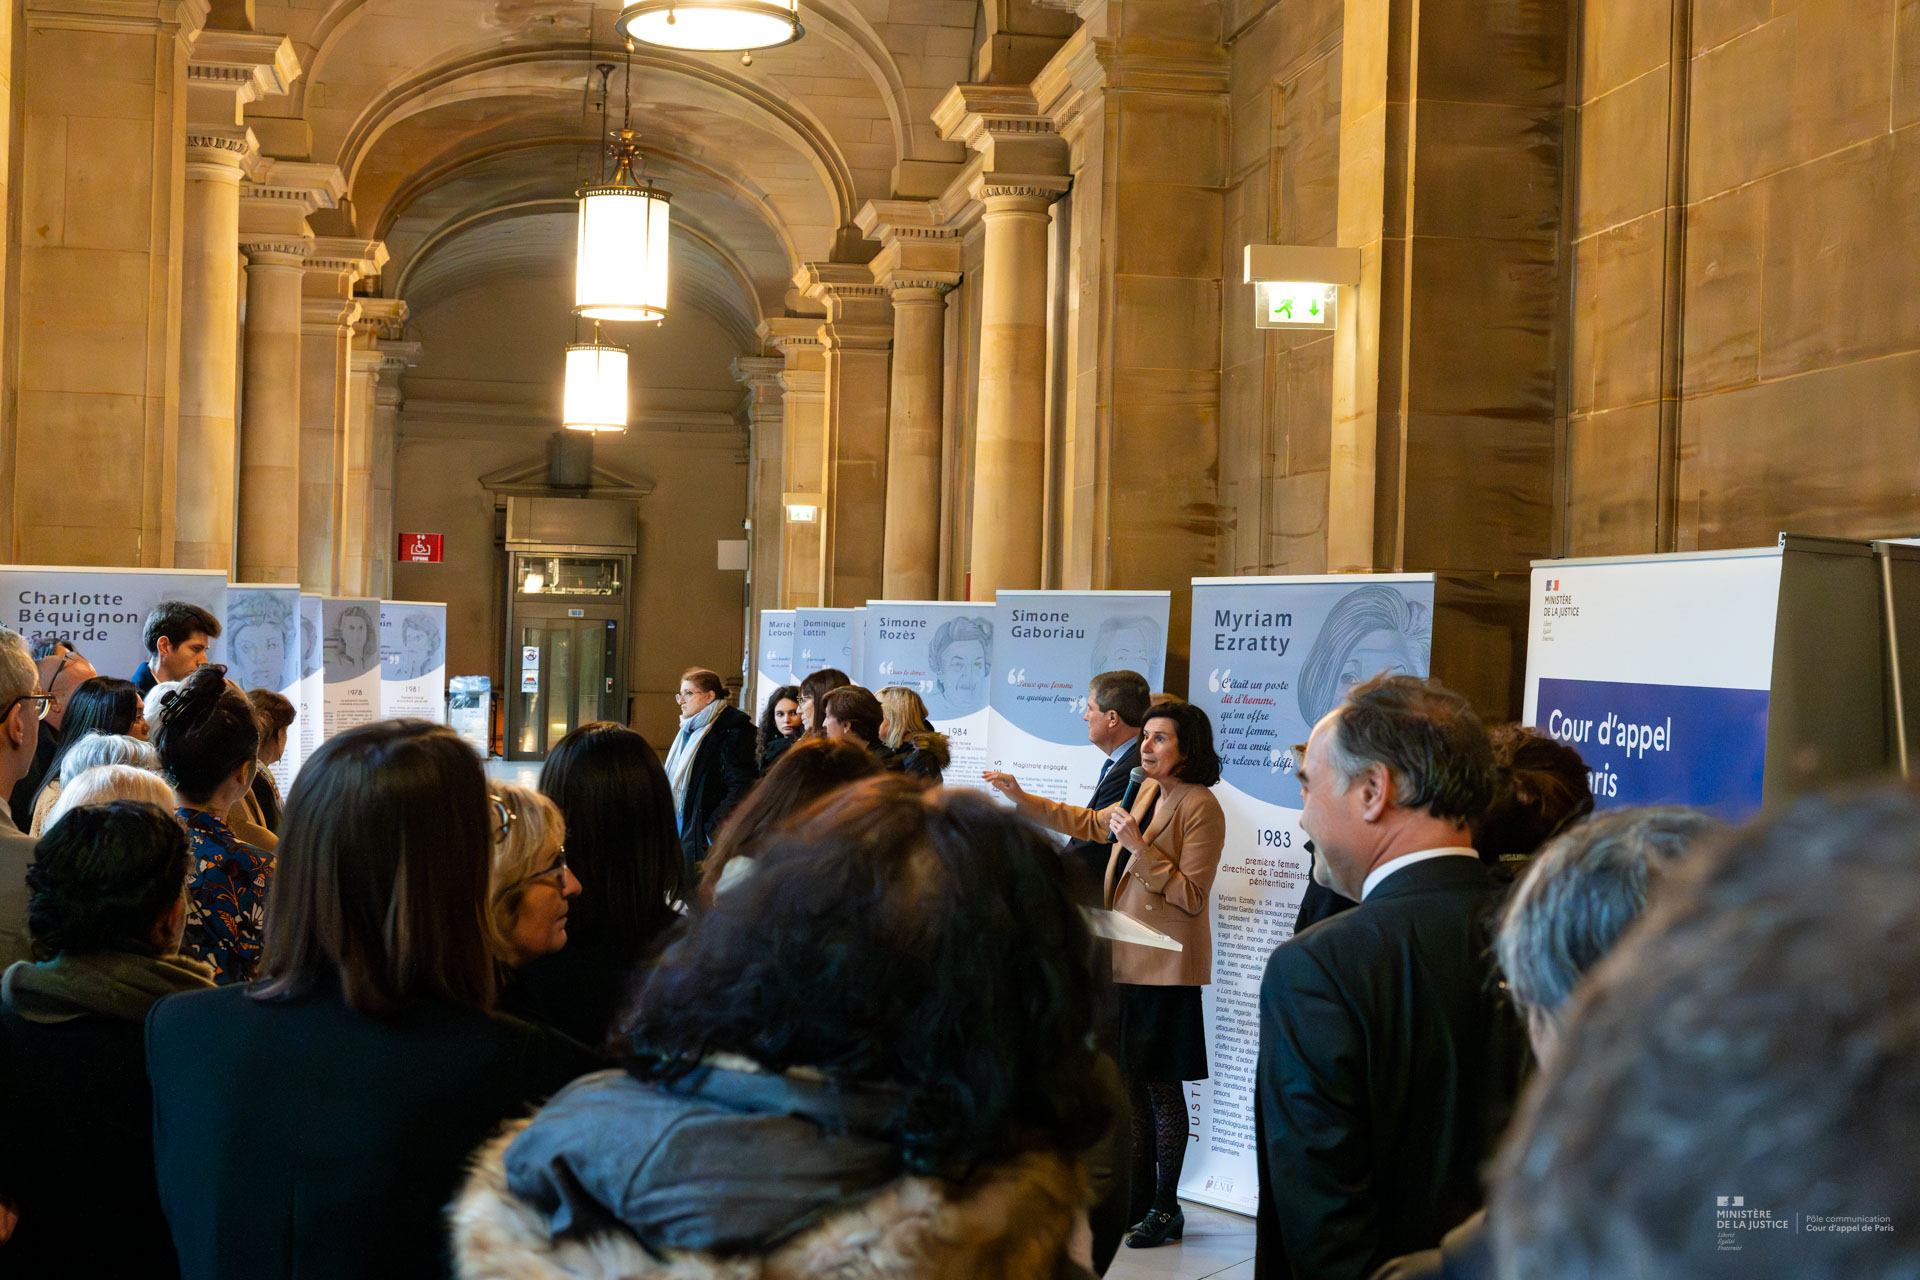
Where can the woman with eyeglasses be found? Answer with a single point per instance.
(532, 889)
(317, 1122)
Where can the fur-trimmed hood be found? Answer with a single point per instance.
(1021, 1220)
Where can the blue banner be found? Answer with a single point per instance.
(1663, 744)
(828, 638)
(943, 651)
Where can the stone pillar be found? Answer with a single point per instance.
(804, 386)
(396, 359)
(765, 413)
(1023, 175)
(228, 70)
(857, 336)
(274, 206)
(327, 404)
(356, 492)
(918, 263)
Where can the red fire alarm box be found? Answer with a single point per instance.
(420, 548)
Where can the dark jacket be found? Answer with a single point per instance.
(1319, 903)
(303, 1138)
(724, 769)
(585, 987)
(76, 1135)
(770, 756)
(1087, 859)
(724, 1167)
(1389, 1064)
(20, 801)
(1465, 1253)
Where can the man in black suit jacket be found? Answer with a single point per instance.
(1389, 1064)
(1117, 703)
(724, 762)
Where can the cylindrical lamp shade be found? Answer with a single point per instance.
(621, 271)
(713, 25)
(596, 388)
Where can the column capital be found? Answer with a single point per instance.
(276, 251)
(226, 70)
(919, 244)
(758, 372)
(221, 152)
(848, 289)
(1004, 123)
(361, 259)
(383, 318)
(296, 184)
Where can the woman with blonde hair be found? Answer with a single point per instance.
(530, 888)
(905, 714)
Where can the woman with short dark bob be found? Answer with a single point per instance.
(870, 1059)
(1166, 851)
(345, 1090)
(623, 846)
(106, 903)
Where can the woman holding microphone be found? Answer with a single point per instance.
(1166, 851)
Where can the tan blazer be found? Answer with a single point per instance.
(250, 824)
(1167, 887)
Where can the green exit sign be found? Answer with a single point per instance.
(1279, 305)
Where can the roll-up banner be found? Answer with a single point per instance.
(828, 638)
(413, 661)
(1718, 679)
(943, 651)
(772, 658)
(1270, 657)
(262, 646)
(1050, 645)
(311, 723)
(350, 636)
(102, 612)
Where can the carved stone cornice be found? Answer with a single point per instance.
(1021, 150)
(758, 372)
(337, 314)
(383, 318)
(135, 17)
(294, 182)
(857, 337)
(351, 258)
(271, 251)
(796, 338)
(1024, 186)
(250, 65)
(912, 286)
(852, 298)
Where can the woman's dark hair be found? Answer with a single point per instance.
(854, 707)
(623, 842)
(925, 755)
(1199, 764)
(902, 936)
(769, 731)
(381, 883)
(1540, 789)
(815, 688)
(103, 876)
(810, 770)
(206, 731)
(274, 712)
(103, 704)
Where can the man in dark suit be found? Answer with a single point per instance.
(1117, 704)
(1388, 1062)
(712, 763)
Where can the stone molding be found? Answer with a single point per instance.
(909, 286)
(757, 372)
(276, 253)
(1045, 190)
(250, 65)
(857, 337)
(383, 318)
(352, 258)
(128, 17)
(311, 186)
(337, 314)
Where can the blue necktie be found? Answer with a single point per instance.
(1104, 766)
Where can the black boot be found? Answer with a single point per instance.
(1156, 1229)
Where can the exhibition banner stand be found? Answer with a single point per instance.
(1051, 643)
(262, 646)
(828, 638)
(1270, 657)
(413, 661)
(943, 651)
(102, 612)
(350, 638)
(1718, 679)
(311, 705)
(773, 657)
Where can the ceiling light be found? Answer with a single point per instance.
(596, 398)
(620, 272)
(713, 26)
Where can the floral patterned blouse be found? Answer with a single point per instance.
(226, 898)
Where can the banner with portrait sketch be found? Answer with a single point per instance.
(350, 641)
(413, 661)
(828, 638)
(772, 658)
(102, 612)
(1050, 645)
(311, 706)
(1270, 657)
(262, 647)
(943, 651)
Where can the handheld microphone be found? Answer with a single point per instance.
(1134, 781)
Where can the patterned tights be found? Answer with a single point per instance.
(1159, 1141)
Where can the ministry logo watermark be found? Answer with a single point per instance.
(1737, 1225)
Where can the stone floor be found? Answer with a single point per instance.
(1218, 1246)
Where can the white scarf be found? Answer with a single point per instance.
(685, 744)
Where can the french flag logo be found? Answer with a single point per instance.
(1553, 584)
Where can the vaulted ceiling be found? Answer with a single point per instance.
(463, 128)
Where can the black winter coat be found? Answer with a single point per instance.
(725, 767)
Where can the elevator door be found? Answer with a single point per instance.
(567, 675)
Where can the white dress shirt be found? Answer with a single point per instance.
(1406, 860)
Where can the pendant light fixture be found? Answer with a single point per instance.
(596, 398)
(714, 26)
(620, 273)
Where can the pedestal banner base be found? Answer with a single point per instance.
(943, 651)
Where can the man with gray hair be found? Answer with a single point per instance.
(1577, 898)
(21, 707)
(1388, 1062)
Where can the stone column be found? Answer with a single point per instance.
(857, 336)
(1023, 175)
(396, 359)
(918, 263)
(356, 493)
(269, 535)
(228, 70)
(804, 386)
(765, 413)
(327, 404)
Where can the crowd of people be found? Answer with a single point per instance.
(770, 1000)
